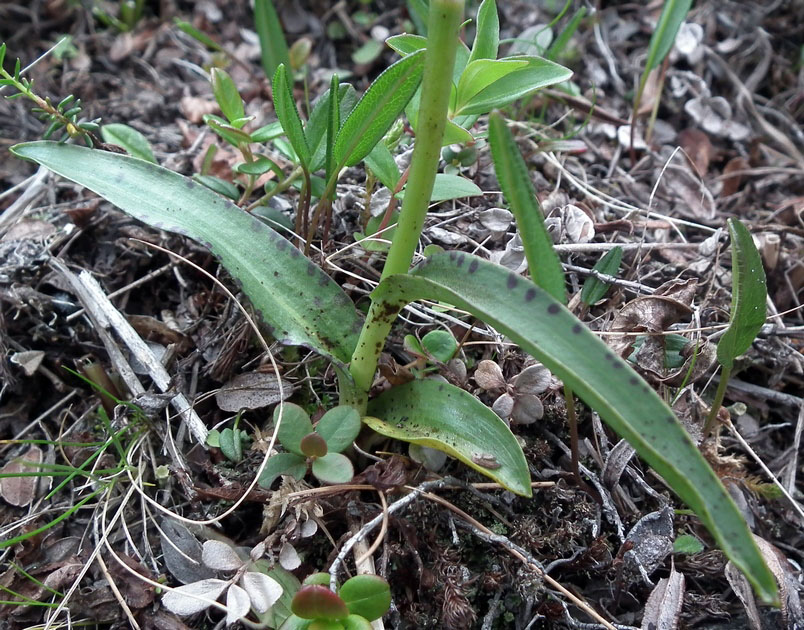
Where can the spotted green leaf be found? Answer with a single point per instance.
(450, 419)
(377, 109)
(299, 303)
(748, 295)
(512, 173)
(546, 329)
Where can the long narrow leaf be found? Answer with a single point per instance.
(512, 173)
(288, 115)
(378, 108)
(300, 303)
(547, 330)
(273, 46)
(671, 19)
(487, 35)
(748, 295)
(445, 417)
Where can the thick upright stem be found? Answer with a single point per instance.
(442, 41)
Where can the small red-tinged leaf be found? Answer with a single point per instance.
(366, 595)
(314, 601)
(317, 578)
(313, 445)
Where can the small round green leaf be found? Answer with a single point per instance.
(294, 426)
(314, 601)
(366, 595)
(356, 622)
(333, 468)
(313, 445)
(320, 578)
(440, 344)
(339, 427)
(687, 544)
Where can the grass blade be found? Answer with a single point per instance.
(283, 286)
(377, 109)
(445, 417)
(748, 295)
(548, 331)
(273, 46)
(512, 173)
(671, 19)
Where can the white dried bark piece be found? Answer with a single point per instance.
(252, 391)
(663, 609)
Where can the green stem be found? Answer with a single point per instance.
(442, 42)
(720, 394)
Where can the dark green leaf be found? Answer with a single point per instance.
(282, 285)
(748, 295)
(227, 96)
(288, 115)
(442, 416)
(377, 109)
(283, 464)
(594, 289)
(130, 139)
(230, 444)
(366, 595)
(339, 427)
(512, 173)
(273, 46)
(440, 344)
(548, 331)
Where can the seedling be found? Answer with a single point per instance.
(360, 600)
(301, 305)
(318, 448)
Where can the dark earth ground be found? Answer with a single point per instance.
(733, 102)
